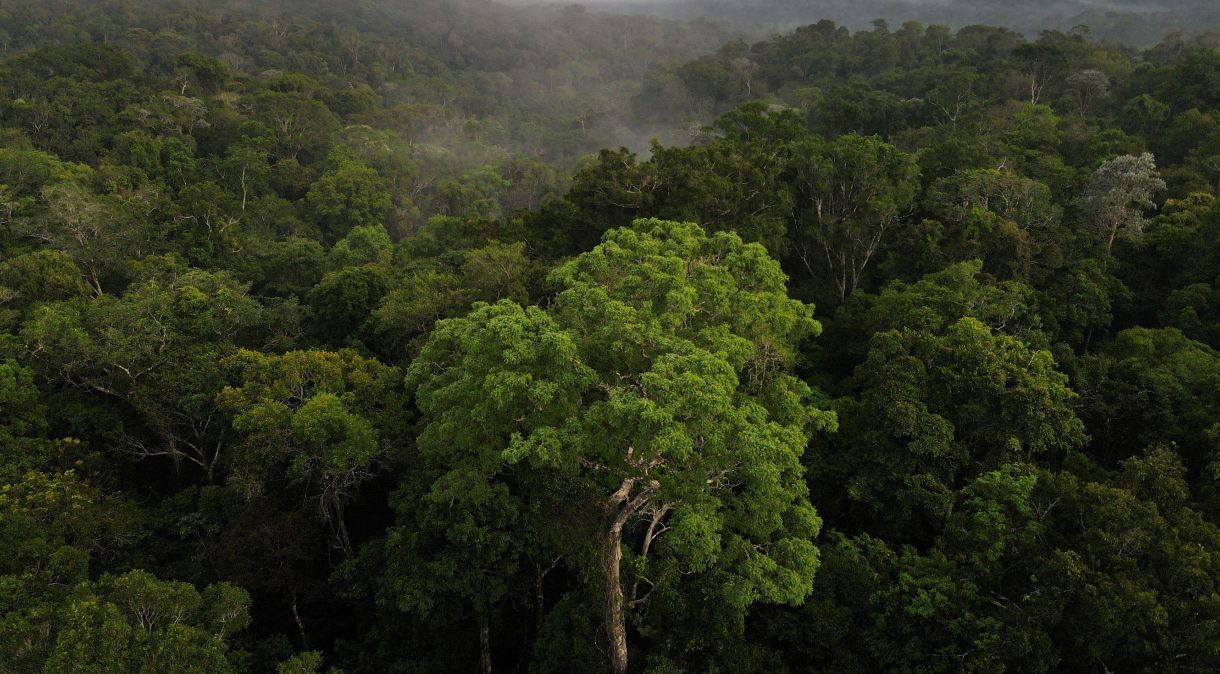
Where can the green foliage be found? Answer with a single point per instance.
(1152, 379)
(136, 622)
(21, 444)
(301, 663)
(348, 197)
(851, 191)
(328, 338)
(930, 408)
(361, 246)
(315, 419)
(657, 380)
(1118, 193)
(52, 525)
(1009, 221)
(156, 350)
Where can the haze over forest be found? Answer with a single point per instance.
(440, 336)
(1131, 21)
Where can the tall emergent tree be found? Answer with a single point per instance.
(1118, 194)
(644, 428)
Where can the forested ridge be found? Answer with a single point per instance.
(331, 340)
(1138, 22)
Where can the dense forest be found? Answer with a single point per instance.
(377, 337)
(1139, 22)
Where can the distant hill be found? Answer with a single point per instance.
(1139, 23)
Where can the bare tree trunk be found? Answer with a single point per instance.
(244, 188)
(540, 595)
(296, 616)
(95, 284)
(1110, 246)
(619, 508)
(484, 642)
(616, 619)
(615, 606)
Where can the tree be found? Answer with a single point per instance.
(1006, 219)
(97, 232)
(352, 195)
(316, 420)
(363, 245)
(1123, 564)
(287, 267)
(156, 351)
(24, 419)
(1151, 386)
(53, 526)
(1118, 193)
(1043, 62)
(208, 224)
(135, 622)
(931, 304)
(408, 312)
(606, 193)
(931, 406)
(204, 72)
(651, 399)
(1145, 115)
(41, 276)
(729, 184)
(300, 127)
(1088, 86)
(344, 300)
(849, 192)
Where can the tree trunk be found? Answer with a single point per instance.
(484, 643)
(616, 619)
(296, 616)
(1110, 246)
(540, 596)
(615, 607)
(344, 540)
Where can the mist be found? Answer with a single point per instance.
(1128, 21)
(619, 337)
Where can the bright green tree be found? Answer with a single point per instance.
(652, 398)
